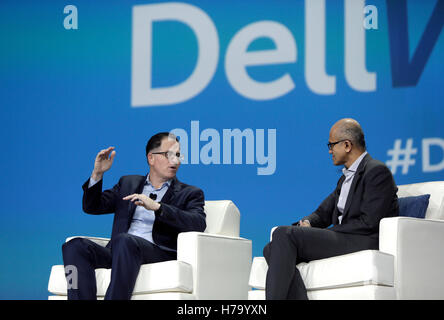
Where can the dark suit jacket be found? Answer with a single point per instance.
(372, 197)
(181, 209)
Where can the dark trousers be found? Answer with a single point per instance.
(126, 255)
(293, 244)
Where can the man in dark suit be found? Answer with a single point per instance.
(365, 193)
(149, 213)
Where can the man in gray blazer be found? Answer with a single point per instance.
(365, 193)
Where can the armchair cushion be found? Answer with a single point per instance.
(414, 206)
(168, 276)
(435, 209)
(368, 267)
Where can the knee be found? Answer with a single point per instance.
(280, 234)
(266, 251)
(277, 235)
(123, 241)
(73, 247)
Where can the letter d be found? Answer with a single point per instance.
(142, 93)
(426, 143)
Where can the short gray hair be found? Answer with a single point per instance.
(352, 131)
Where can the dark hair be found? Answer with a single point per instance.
(156, 140)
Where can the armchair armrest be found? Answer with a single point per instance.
(100, 241)
(221, 264)
(416, 245)
(271, 232)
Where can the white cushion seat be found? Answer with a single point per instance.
(168, 276)
(354, 269)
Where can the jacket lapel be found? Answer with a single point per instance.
(338, 189)
(356, 179)
(131, 205)
(338, 192)
(169, 195)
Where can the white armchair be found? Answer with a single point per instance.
(214, 264)
(408, 264)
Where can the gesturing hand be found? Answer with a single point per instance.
(103, 162)
(143, 200)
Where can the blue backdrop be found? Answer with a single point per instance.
(112, 73)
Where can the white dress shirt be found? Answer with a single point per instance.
(345, 188)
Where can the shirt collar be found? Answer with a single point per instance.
(355, 164)
(166, 183)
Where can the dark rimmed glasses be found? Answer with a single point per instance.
(170, 155)
(330, 145)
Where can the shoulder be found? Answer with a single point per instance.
(131, 179)
(376, 167)
(186, 188)
(374, 163)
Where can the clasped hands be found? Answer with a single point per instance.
(304, 223)
(143, 200)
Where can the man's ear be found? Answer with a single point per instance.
(149, 158)
(348, 145)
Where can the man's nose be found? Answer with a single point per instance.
(174, 160)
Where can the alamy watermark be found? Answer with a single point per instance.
(71, 21)
(371, 17)
(72, 277)
(228, 146)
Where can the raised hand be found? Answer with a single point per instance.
(103, 162)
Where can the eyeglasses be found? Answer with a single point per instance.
(330, 145)
(170, 155)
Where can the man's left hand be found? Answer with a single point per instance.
(144, 201)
